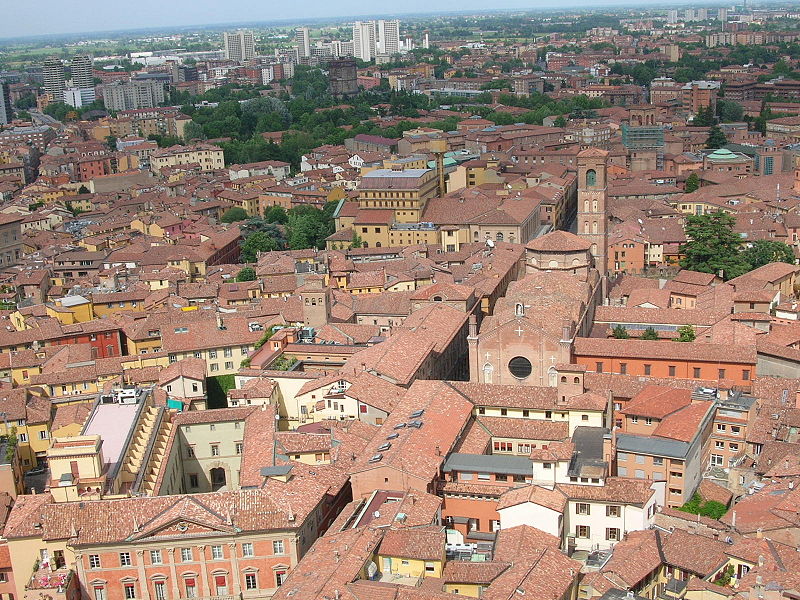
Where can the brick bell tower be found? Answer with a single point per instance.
(592, 222)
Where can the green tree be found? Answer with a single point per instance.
(729, 111)
(686, 333)
(692, 183)
(762, 252)
(111, 142)
(650, 334)
(193, 131)
(232, 215)
(255, 243)
(704, 117)
(560, 121)
(619, 332)
(276, 214)
(713, 246)
(716, 138)
(356, 241)
(246, 274)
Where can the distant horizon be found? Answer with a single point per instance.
(150, 15)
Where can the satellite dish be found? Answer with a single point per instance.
(490, 243)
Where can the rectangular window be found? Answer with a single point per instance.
(280, 577)
(719, 445)
(214, 450)
(124, 559)
(23, 437)
(612, 534)
(99, 592)
(194, 481)
(648, 421)
(598, 366)
(484, 477)
(658, 460)
(717, 460)
(239, 447)
(227, 352)
(721, 427)
(247, 549)
(671, 371)
(647, 369)
(186, 555)
(721, 374)
(277, 547)
(160, 589)
(250, 582)
(189, 452)
(583, 508)
(613, 511)
(216, 552)
(746, 374)
(155, 557)
(191, 587)
(94, 561)
(129, 590)
(622, 456)
(582, 531)
(623, 368)
(696, 372)
(638, 473)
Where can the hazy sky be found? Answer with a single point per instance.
(61, 16)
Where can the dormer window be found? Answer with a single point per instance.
(519, 309)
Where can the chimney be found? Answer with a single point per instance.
(473, 332)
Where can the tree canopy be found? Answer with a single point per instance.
(232, 215)
(246, 274)
(763, 252)
(713, 246)
(716, 138)
(692, 183)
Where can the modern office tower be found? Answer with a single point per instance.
(388, 37)
(5, 104)
(82, 78)
(54, 79)
(722, 14)
(672, 16)
(239, 45)
(303, 41)
(364, 40)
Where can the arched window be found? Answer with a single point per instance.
(594, 226)
(499, 236)
(594, 206)
(591, 178)
(563, 379)
(586, 226)
(519, 309)
(488, 369)
(585, 206)
(576, 380)
(553, 264)
(437, 298)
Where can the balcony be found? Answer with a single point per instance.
(59, 583)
